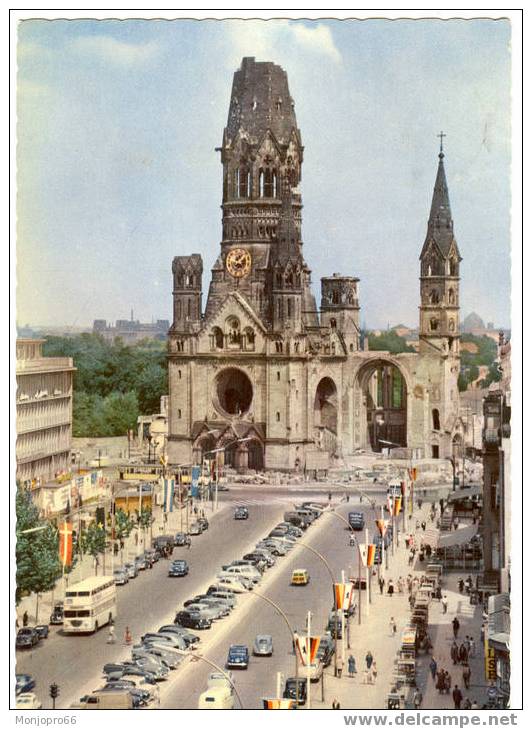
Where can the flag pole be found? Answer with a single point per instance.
(308, 658)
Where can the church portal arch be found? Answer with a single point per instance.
(326, 414)
(383, 405)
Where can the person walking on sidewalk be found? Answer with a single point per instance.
(456, 626)
(462, 654)
(417, 699)
(390, 588)
(127, 636)
(351, 666)
(393, 628)
(455, 653)
(466, 675)
(472, 647)
(467, 704)
(381, 584)
(339, 667)
(433, 667)
(335, 704)
(111, 635)
(374, 672)
(25, 618)
(444, 604)
(440, 682)
(457, 697)
(369, 660)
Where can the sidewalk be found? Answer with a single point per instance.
(374, 635)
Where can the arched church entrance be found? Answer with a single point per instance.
(255, 455)
(384, 405)
(326, 415)
(203, 445)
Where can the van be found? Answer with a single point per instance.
(105, 700)
(217, 697)
(300, 577)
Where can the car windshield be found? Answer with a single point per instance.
(25, 631)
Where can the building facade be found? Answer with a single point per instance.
(44, 413)
(265, 373)
(131, 330)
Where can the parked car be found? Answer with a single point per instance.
(25, 683)
(220, 605)
(140, 695)
(203, 522)
(121, 576)
(26, 638)
(192, 620)
(168, 658)
(257, 562)
(244, 570)
(187, 635)
(325, 650)
(180, 539)
(290, 692)
(296, 519)
(165, 638)
(238, 657)
(228, 597)
(265, 554)
(162, 542)
(42, 631)
(141, 562)
(154, 665)
(56, 618)
(232, 583)
(131, 569)
(263, 645)
(207, 611)
(27, 701)
(314, 670)
(178, 568)
(241, 513)
(195, 529)
(152, 556)
(276, 548)
(334, 624)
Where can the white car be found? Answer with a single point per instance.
(230, 583)
(27, 701)
(243, 571)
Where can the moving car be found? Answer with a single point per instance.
(238, 657)
(121, 576)
(26, 638)
(263, 645)
(42, 631)
(295, 687)
(178, 568)
(27, 701)
(56, 618)
(220, 679)
(241, 513)
(24, 684)
(192, 620)
(356, 520)
(300, 577)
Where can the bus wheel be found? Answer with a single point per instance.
(96, 627)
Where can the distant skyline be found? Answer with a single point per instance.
(117, 173)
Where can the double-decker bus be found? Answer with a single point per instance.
(89, 604)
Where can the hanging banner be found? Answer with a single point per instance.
(307, 648)
(398, 500)
(367, 553)
(412, 472)
(168, 494)
(390, 502)
(343, 595)
(382, 526)
(195, 475)
(278, 704)
(65, 544)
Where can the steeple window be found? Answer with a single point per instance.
(261, 183)
(434, 324)
(452, 296)
(217, 338)
(453, 268)
(434, 297)
(268, 183)
(289, 308)
(451, 325)
(435, 419)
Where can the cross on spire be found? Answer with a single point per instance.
(441, 135)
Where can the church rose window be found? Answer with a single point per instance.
(233, 391)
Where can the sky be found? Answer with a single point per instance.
(117, 171)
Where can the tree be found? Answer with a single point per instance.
(389, 342)
(37, 552)
(93, 542)
(123, 527)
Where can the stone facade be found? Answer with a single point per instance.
(262, 372)
(44, 413)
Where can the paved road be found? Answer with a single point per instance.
(151, 600)
(252, 616)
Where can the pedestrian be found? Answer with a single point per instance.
(189, 542)
(381, 584)
(411, 557)
(460, 586)
(433, 667)
(440, 683)
(366, 678)
(467, 704)
(374, 673)
(111, 636)
(393, 628)
(472, 647)
(411, 601)
(127, 636)
(417, 524)
(195, 510)
(447, 679)
(466, 675)
(456, 626)
(423, 525)
(339, 667)
(462, 654)
(457, 697)
(335, 704)
(454, 653)
(369, 660)
(455, 523)
(409, 584)
(330, 496)
(390, 588)
(25, 618)
(407, 542)
(437, 593)
(419, 504)
(444, 604)
(351, 666)
(417, 699)
(428, 551)
(400, 586)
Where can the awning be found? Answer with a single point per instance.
(458, 537)
(499, 641)
(461, 494)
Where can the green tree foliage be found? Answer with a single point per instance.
(113, 382)
(37, 552)
(93, 541)
(389, 342)
(470, 362)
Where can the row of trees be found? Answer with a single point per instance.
(113, 383)
(486, 355)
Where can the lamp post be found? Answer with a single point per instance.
(354, 537)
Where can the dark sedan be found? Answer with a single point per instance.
(25, 683)
(178, 568)
(180, 539)
(42, 631)
(241, 513)
(27, 638)
(56, 618)
(194, 621)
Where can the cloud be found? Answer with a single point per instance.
(317, 38)
(111, 50)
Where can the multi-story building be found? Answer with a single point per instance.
(131, 330)
(44, 413)
(262, 371)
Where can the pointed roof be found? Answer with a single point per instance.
(440, 223)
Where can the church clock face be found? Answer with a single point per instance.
(238, 262)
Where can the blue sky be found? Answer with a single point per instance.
(117, 173)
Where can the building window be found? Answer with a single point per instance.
(435, 419)
(351, 348)
(333, 323)
(434, 325)
(189, 309)
(434, 297)
(278, 416)
(278, 376)
(179, 413)
(179, 374)
(261, 183)
(179, 310)
(452, 297)
(451, 325)
(279, 347)
(218, 338)
(289, 308)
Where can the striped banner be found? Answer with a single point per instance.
(382, 526)
(397, 505)
(367, 553)
(278, 704)
(65, 544)
(343, 595)
(168, 494)
(307, 648)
